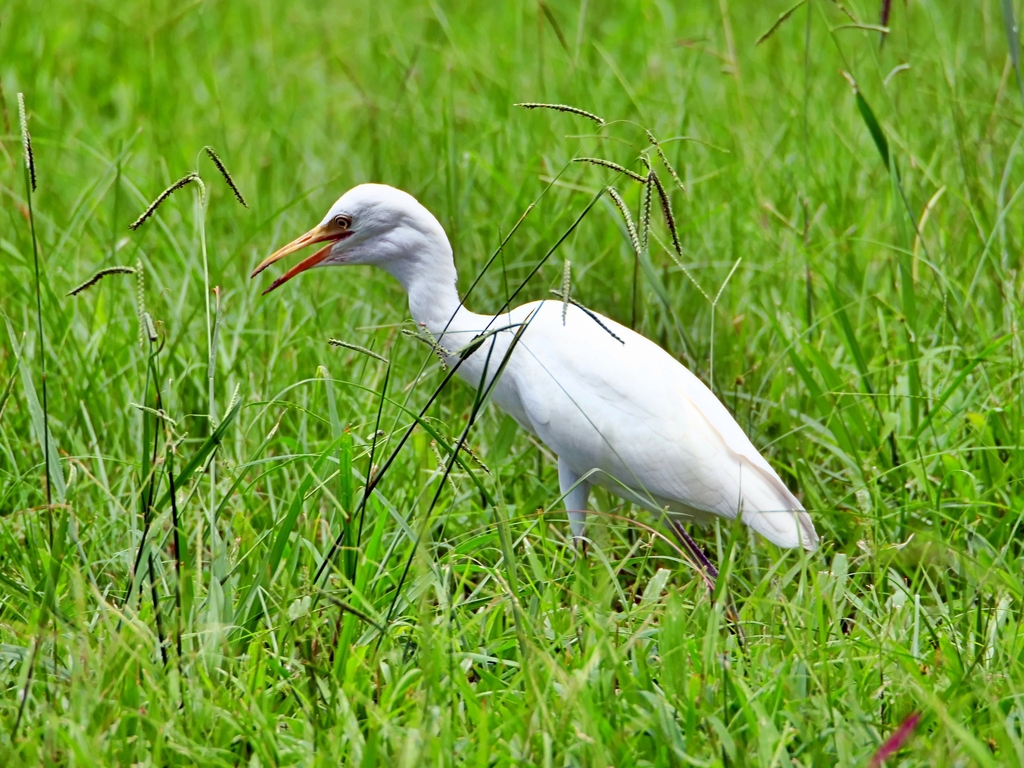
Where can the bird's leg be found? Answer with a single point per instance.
(694, 549)
(709, 569)
(576, 492)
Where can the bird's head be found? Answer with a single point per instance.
(370, 224)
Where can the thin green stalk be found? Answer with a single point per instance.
(30, 185)
(211, 367)
(29, 173)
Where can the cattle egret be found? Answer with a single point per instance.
(616, 409)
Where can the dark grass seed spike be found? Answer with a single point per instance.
(357, 348)
(184, 181)
(665, 162)
(613, 166)
(99, 276)
(666, 209)
(26, 141)
(227, 176)
(562, 108)
(670, 221)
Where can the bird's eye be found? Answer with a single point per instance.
(342, 222)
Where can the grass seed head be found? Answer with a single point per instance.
(476, 459)
(184, 181)
(613, 166)
(645, 206)
(26, 141)
(140, 299)
(227, 176)
(562, 108)
(426, 337)
(624, 210)
(666, 209)
(665, 162)
(149, 326)
(357, 348)
(99, 276)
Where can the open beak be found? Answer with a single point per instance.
(319, 234)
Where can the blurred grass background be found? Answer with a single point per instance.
(867, 340)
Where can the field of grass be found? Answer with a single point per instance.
(859, 316)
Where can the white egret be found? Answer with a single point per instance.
(616, 409)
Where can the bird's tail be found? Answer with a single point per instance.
(773, 511)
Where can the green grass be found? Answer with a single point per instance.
(867, 339)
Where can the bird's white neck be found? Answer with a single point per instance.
(427, 273)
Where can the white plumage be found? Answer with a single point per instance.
(616, 409)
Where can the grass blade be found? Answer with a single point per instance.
(868, 115)
(1013, 41)
(200, 457)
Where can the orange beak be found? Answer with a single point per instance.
(329, 233)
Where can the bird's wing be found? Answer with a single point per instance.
(604, 397)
